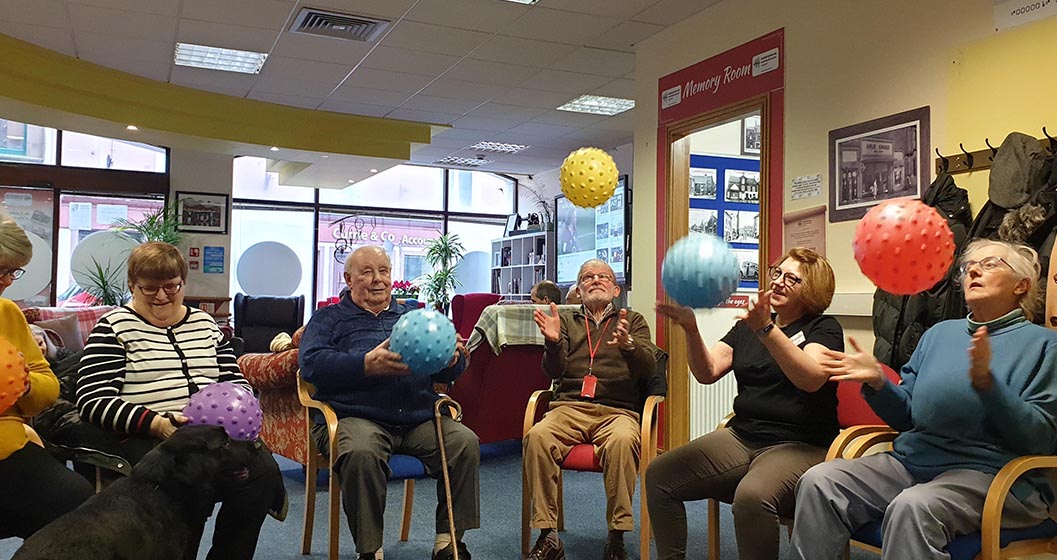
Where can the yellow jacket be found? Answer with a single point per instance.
(44, 386)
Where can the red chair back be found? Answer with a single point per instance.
(852, 409)
(467, 308)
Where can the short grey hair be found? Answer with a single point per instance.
(15, 248)
(594, 262)
(1025, 264)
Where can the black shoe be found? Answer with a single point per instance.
(547, 548)
(448, 553)
(366, 555)
(615, 551)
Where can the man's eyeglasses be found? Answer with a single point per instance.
(169, 289)
(789, 279)
(15, 273)
(987, 264)
(602, 277)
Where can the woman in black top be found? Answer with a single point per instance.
(785, 411)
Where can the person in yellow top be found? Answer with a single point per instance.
(35, 488)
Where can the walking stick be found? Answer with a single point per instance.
(456, 414)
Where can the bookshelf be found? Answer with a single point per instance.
(521, 260)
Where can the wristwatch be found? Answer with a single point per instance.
(765, 330)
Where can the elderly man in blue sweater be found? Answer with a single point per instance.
(383, 409)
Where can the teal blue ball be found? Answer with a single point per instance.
(700, 271)
(425, 341)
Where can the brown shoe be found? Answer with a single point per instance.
(547, 548)
(614, 551)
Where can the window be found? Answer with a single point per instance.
(414, 266)
(272, 252)
(27, 143)
(85, 150)
(479, 192)
(251, 179)
(476, 265)
(33, 210)
(404, 186)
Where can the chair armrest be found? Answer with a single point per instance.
(848, 435)
(996, 499)
(726, 420)
(537, 407)
(650, 427)
(860, 446)
(304, 390)
(270, 371)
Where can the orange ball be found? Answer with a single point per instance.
(903, 246)
(12, 375)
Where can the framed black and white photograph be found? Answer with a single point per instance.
(702, 183)
(512, 222)
(750, 135)
(877, 160)
(741, 227)
(202, 212)
(748, 265)
(703, 220)
(741, 186)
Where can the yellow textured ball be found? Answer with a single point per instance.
(588, 177)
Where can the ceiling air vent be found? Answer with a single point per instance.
(339, 26)
(463, 161)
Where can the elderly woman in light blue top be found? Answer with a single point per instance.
(976, 393)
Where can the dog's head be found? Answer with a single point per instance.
(195, 463)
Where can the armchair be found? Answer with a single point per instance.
(466, 308)
(582, 457)
(259, 318)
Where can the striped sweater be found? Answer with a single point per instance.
(132, 371)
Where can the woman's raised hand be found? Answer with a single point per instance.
(758, 315)
(680, 314)
(980, 361)
(857, 366)
(550, 325)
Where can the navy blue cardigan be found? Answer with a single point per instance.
(332, 353)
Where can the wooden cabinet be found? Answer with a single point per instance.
(519, 261)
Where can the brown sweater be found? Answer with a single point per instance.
(618, 371)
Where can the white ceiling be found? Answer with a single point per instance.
(492, 69)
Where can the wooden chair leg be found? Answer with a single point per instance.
(644, 520)
(561, 502)
(409, 501)
(713, 529)
(311, 473)
(335, 512)
(526, 511)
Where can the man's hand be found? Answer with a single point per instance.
(980, 361)
(759, 313)
(460, 349)
(383, 361)
(550, 325)
(621, 336)
(164, 425)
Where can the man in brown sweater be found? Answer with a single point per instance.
(596, 356)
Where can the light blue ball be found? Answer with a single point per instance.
(425, 340)
(700, 271)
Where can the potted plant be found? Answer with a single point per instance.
(443, 254)
(159, 225)
(537, 192)
(405, 289)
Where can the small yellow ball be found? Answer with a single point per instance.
(588, 177)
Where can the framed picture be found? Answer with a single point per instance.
(877, 160)
(741, 227)
(742, 186)
(702, 183)
(750, 135)
(512, 222)
(203, 212)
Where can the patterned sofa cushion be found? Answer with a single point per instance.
(87, 317)
(268, 372)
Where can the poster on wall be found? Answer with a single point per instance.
(742, 186)
(750, 135)
(202, 212)
(702, 183)
(704, 220)
(806, 228)
(748, 266)
(741, 227)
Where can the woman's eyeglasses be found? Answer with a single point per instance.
(788, 279)
(15, 273)
(987, 264)
(169, 289)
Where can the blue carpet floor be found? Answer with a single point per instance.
(499, 537)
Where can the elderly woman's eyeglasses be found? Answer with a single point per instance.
(987, 264)
(169, 289)
(14, 273)
(788, 279)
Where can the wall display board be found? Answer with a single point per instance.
(732, 211)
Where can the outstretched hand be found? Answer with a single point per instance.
(383, 361)
(857, 366)
(980, 361)
(622, 335)
(758, 315)
(680, 314)
(550, 325)
(460, 349)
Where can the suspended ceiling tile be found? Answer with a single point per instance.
(442, 104)
(226, 36)
(305, 102)
(390, 81)
(57, 39)
(566, 82)
(478, 15)
(458, 89)
(159, 7)
(485, 72)
(625, 36)
(465, 134)
(671, 12)
(369, 95)
(300, 71)
(623, 9)
(518, 50)
(396, 59)
(435, 38)
(528, 97)
(623, 122)
(561, 26)
(566, 118)
(97, 47)
(354, 108)
(617, 88)
(598, 61)
(487, 123)
(223, 90)
(435, 117)
(144, 68)
(533, 130)
(197, 77)
(428, 153)
(501, 110)
(326, 49)
(122, 23)
(48, 13)
(264, 14)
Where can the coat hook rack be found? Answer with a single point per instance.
(968, 157)
(994, 150)
(946, 163)
(1052, 148)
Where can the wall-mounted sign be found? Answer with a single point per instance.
(1011, 13)
(213, 260)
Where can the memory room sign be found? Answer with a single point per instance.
(1011, 13)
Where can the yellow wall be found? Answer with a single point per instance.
(848, 62)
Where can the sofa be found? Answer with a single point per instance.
(274, 377)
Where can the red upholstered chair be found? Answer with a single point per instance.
(582, 457)
(466, 309)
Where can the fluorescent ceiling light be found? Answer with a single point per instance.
(462, 161)
(523, 1)
(598, 105)
(497, 147)
(216, 58)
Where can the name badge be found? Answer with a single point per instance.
(798, 338)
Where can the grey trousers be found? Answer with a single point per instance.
(758, 480)
(364, 448)
(836, 498)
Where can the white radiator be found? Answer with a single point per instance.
(710, 403)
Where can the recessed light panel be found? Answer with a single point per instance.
(216, 58)
(462, 161)
(523, 1)
(497, 147)
(598, 105)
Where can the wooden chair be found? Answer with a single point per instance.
(582, 457)
(399, 464)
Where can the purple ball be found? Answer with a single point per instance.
(229, 406)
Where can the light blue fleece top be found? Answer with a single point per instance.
(946, 424)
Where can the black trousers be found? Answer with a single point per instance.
(35, 489)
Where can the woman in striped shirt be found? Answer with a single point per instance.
(142, 363)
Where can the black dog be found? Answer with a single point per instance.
(156, 513)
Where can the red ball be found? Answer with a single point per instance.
(904, 246)
(13, 376)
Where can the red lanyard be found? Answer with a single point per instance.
(593, 349)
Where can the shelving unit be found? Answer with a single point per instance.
(519, 261)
